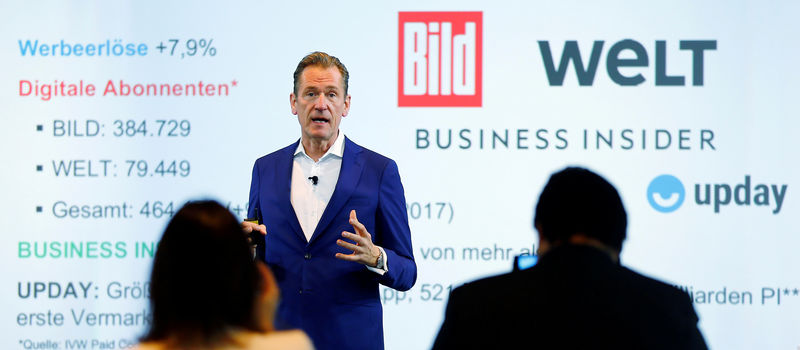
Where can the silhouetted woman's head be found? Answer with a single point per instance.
(204, 281)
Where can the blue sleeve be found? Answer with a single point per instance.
(394, 234)
(255, 183)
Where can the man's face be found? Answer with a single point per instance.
(320, 103)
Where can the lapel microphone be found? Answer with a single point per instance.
(314, 179)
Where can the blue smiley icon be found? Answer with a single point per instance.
(666, 193)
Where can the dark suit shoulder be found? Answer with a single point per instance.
(654, 287)
(490, 313)
(489, 284)
(495, 294)
(668, 309)
(661, 300)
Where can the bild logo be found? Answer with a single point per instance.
(666, 193)
(440, 59)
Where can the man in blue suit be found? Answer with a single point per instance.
(334, 218)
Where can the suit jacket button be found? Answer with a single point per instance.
(307, 256)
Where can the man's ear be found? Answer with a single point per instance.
(544, 244)
(346, 106)
(292, 102)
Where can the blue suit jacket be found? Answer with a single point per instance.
(335, 301)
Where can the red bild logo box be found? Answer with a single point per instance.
(440, 59)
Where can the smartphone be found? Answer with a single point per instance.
(255, 238)
(522, 262)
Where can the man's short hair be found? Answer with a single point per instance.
(323, 60)
(576, 200)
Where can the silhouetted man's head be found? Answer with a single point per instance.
(578, 201)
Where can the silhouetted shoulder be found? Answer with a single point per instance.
(667, 299)
(490, 285)
(643, 281)
(493, 295)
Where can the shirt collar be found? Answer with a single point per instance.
(337, 149)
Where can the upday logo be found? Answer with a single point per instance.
(666, 194)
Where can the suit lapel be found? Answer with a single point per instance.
(349, 175)
(283, 184)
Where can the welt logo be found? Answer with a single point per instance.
(440, 59)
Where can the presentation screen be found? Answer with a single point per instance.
(116, 113)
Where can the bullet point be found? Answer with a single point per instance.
(38, 209)
(39, 168)
(39, 127)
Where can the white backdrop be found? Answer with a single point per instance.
(740, 263)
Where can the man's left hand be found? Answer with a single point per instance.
(363, 250)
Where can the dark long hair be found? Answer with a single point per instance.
(204, 280)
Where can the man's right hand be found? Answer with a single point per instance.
(248, 227)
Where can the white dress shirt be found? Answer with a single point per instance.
(309, 200)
